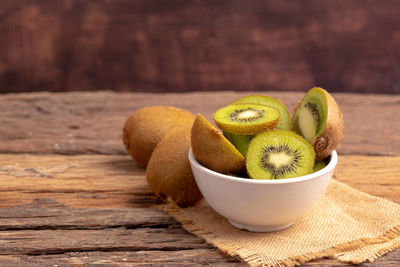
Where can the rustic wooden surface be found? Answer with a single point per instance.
(179, 45)
(69, 193)
(82, 123)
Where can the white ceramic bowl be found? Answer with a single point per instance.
(261, 205)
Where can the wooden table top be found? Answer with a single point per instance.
(70, 194)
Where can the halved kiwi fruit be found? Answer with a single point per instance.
(284, 121)
(169, 173)
(279, 154)
(145, 127)
(319, 120)
(213, 150)
(246, 119)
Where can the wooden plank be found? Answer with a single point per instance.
(76, 181)
(116, 181)
(46, 214)
(31, 242)
(82, 123)
(378, 176)
(179, 45)
(192, 257)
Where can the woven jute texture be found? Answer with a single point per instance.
(346, 225)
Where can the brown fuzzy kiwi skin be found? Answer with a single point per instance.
(332, 134)
(145, 127)
(168, 172)
(213, 150)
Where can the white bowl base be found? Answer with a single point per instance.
(272, 228)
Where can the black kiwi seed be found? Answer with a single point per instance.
(277, 172)
(314, 111)
(235, 115)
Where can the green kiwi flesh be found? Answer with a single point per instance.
(241, 142)
(246, 119)
(284, 121)
(319, 165)
(279, 154)
(310, 116)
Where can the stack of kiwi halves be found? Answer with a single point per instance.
(259, 137)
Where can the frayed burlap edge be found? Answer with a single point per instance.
(336, 252)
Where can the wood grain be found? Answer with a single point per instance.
(82, 123)
(192, 257)
(189, 257)
(76, 181)
(117, 181)
(378, 176)
(176, 45)
(31, 242)
(46, 214)
(88, 232)
(70, 195)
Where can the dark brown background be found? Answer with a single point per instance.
(181, 45)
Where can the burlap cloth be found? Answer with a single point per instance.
(346, 225)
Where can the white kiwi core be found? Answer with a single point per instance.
(307, 124)
(280, 159)
(248, 113)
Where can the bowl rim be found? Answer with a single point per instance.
(331, 165)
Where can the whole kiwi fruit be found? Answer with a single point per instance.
(145, 127)
(169, 173)
(319, 120)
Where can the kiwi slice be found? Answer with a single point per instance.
(319, 120)
(246, 119)
(241, 142)
(279, 154)
(284, 121)
(319, 165)
(213, 150)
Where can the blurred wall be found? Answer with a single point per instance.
(182, 45)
